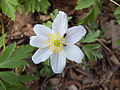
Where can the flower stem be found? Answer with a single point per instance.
(115, 3)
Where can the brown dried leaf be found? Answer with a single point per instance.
(115, 60)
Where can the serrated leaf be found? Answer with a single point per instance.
(8, 8)
(17, 88)
(10, 78)
(54, 14)
(2, 86)
(44, 4)
(13, 2)
(87, 52)
(117, 11)
(91, 37)
(48, 24)
(84, 4)
(29, 6)
(27, 78)
(2, 40)
(93, 46)
(90, 17)
(16, 59)
(8, 51)
(38, 5)
(12, 87)
(117, 14)
(91, 51)
(11, 63)
(22, 52)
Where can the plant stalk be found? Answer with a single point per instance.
(115, 3)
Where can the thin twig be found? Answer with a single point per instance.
(115, 3)
(105, 46)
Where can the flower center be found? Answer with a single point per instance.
(55, 42)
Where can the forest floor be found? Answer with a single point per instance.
(103, 74)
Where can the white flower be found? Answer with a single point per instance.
(58, 43)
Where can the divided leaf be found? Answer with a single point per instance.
(84, 4)
(46, 71)
(8, 8)
(91, 51)
(14, 59)
(38, 5)
(27, 78)
(48, 24)
(10, 77)
(54, 14)
(117, 14)
(14, 82)
(91, 37)
(90, 17)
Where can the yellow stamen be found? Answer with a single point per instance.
(55, 42)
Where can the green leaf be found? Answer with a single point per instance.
(46, 71)
(10, 59)
(84, 4)
(29, 6)
(117, 11)
(2, 40)
(69, 18)
(2, 86)
(8, 51)
(38, 5)
(90, 17)
(54, 14)
(117, 15)
(17, 88)
(27, 78)
(13, 2)
(91, 51)
(93, 46)
(11, 63)
(118, 42)
(87, 52)
(8, 8)
(10, 78)
(48, 24)
(91, 37)
(22, 52)
(12, 87)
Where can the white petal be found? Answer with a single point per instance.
(60, 24)
(58, 61)
(39, 42)
(41, 30)
(74, 34)
(41, 55)
(73, 53)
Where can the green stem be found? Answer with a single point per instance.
(3, 31)
(115, 3)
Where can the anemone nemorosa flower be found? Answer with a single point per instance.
(58, 43)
